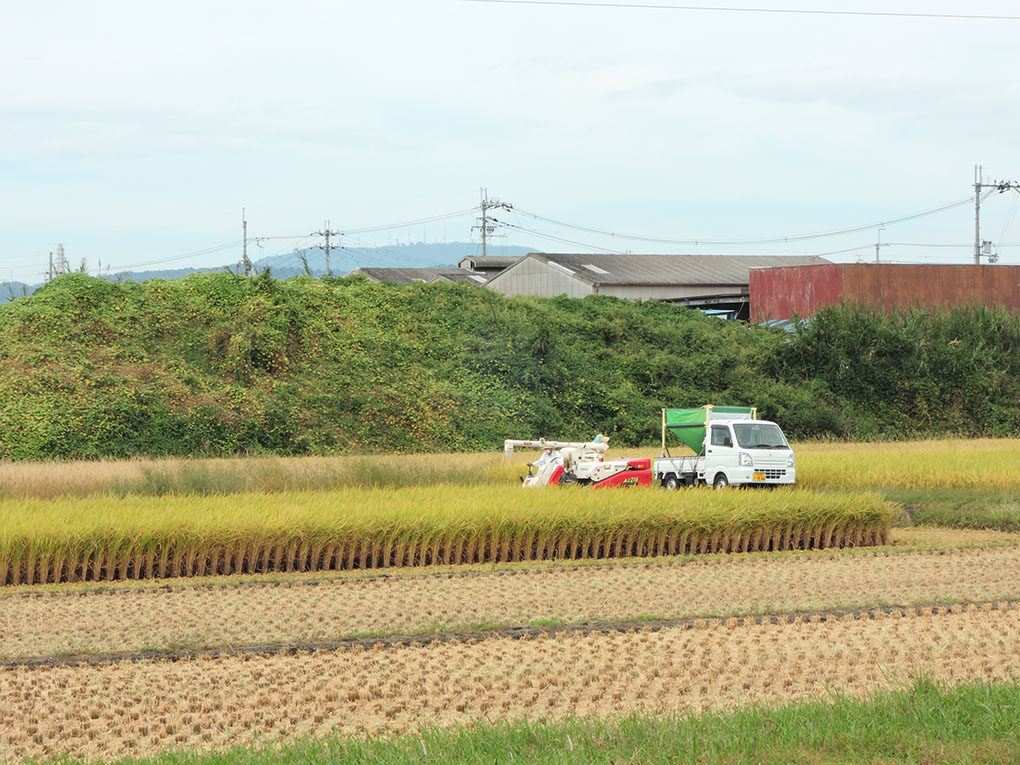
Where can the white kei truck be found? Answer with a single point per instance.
(731, 446)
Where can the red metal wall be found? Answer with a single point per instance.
(906, 285)
(779, 293)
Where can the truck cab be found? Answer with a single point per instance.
(747, 452)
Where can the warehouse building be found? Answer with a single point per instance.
(779, 293)
(405, 275)
(489, 265)
(713, 282)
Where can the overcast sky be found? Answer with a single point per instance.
(135, 132)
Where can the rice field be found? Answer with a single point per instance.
(191, 616)
(106, 539)
(253, 475)
(988, 464)
(140, 708)
(423, 558)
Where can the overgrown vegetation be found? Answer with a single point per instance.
(217, 365)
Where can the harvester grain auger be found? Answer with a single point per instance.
(580, 462)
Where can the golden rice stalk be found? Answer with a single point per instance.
(101, 539)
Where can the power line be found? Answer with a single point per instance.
(773, 240)
(801, 11)
(195, 254)
(418, 222)
(555, 238)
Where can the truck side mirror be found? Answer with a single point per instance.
(728, 441)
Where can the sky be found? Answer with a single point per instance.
(135, 133)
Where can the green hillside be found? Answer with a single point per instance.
(216, 364)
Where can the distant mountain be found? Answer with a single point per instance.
(11, 290)
(342, 261)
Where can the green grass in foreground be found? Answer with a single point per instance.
(928, 722)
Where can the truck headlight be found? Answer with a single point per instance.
(789, 461)
(745, 459)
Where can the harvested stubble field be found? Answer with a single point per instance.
(105, 539)
(142, 707)
(186, 616)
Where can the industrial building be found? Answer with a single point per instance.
(489, 265)
(716, 282)
(779, 293)
(405, 275)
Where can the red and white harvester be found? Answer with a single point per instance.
(580, 462)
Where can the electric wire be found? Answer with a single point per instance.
(772, 240)
(554, 238)
(175, 258)
(1010, 216)
(802, 11)
(418, 222)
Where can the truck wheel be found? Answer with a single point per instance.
(720, 482)
(671, 482)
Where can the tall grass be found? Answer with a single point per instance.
(48, 480)
(142, 537)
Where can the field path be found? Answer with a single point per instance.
(138, 708)
(195, 617)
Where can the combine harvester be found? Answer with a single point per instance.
(731, 446)
(580, 462)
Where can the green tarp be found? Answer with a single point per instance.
(690, 425)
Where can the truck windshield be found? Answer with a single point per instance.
(760, 435)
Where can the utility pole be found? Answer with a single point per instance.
(485, 222)
(244, 246)
(327, 233)
(1000, 186)
(879, 244)
(977, 215)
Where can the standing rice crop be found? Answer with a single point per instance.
(104, 538)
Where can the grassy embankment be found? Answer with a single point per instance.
(217, 365)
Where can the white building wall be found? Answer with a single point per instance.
(533, 277)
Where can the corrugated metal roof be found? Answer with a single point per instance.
(490, 261)
(406, 275)
(672, 270)
(471, 277)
